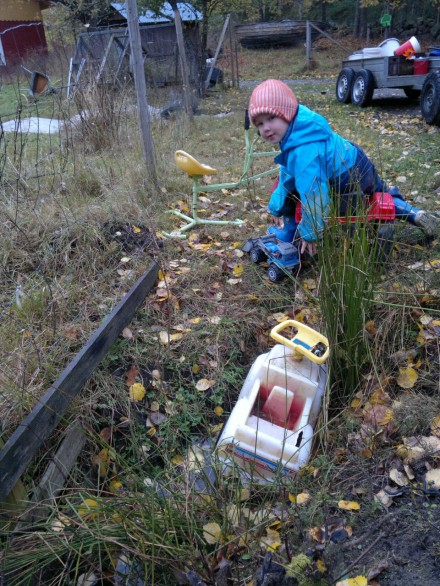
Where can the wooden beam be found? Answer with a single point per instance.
(217, 51)
(34, 430)
(54, 477)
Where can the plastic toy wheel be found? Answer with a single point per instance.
(385, 238)
(257, 255)
(343, 85)
(274, 273)
(362, 88)
(430, 98)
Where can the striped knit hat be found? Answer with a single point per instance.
(273, 97)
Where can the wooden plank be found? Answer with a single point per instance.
(329, 37)
(217, 51)
(55, 476)
(104, 59)
(38, 425)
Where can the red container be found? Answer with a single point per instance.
(421, 66)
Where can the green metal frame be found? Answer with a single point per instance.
(250, 154)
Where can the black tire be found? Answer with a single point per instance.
(343, 85)
(362, 88)
(385, 241)
(274, 273)
(411, 93)
(430, 98)
(257, 255)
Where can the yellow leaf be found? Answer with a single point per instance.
(407, 378)
(114, 486)
(204, 384)
(137, 392)
(218, 410)
(88, 509)
(358, 581)
(166, 338)
(292, 498)
(136, 230)
(238, 270)
(151, 431)
(212, 533)
(195, 320)
(302, 498)
(196, 368)
(320, 566)
(177, 460)
(60, 523)
(349, 505)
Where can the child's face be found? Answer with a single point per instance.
(271, 128)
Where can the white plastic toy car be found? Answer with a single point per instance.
(269, 432)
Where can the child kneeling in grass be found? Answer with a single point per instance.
(316, 162)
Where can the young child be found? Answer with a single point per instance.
(316, 163)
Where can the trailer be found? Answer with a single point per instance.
(419, 78)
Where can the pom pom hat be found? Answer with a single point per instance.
(273, 97)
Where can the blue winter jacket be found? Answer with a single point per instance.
(312, 157)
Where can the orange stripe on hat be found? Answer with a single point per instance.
(273, 97)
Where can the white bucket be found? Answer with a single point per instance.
(388, 47)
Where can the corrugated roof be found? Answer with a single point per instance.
(187, 13)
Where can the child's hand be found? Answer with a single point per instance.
(310, 247)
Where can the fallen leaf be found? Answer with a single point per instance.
(357, 581)
(131, 375)
(302, 498)
(349, 505)
(398, 477)
(218, 410)
(88, 509)
(432, 478)
(204, 384)
(137, 392)
(383, 498)
(212, 533)
(407, 378)
(435, 426)
(238, 270)
(127, 334)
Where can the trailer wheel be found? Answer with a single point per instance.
(257, 255)
(430, 98)
(274, 273)
(343, 85)
(411, 93)
(362, 88)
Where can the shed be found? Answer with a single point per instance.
(107, 50)
(21, 29)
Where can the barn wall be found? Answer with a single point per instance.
(21, 38)
(21, 29)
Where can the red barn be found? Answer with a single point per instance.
(21, 29)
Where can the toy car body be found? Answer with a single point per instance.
(281, 256)
(269, 432)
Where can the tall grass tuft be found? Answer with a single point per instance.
(350, 264)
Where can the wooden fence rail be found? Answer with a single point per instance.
(34, 430)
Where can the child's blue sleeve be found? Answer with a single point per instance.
(278, 203)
